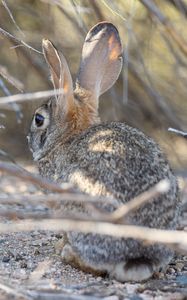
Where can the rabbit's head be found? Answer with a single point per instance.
(72, 111)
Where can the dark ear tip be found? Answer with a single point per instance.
(106, 27)
(47, 45)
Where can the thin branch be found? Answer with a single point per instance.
(26, 176)
(12, 80)
(17, 84)
(97, 10)
(14, 106)
(158, 99)
(173, 238)
(113, 11)
(13, 291)
(59, 295)
(180, 5)
(160, 188)
(179, 132)
(11, 16)
(154, 10)
(54, 200)
(176, 54)
(7, 156)
(149, 86)
(4, 87)
(28, 97)
(67, 15)
(17, 41)
(32, 62)
(35, 64)
(117, 216)
(81, 22)
(14, 214)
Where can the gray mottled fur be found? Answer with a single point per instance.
(103, 159)
(130, 164)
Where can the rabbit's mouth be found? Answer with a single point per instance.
(34, 143)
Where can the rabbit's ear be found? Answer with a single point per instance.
(60, 73)
(101, 60)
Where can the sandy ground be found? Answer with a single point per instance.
(30, 268)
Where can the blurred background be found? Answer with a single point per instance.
(151, 93)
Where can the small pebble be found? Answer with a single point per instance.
(18, 257)
(171, 271)
(10, 253)
(6, 259)
(179, 266)
(23, 264)
(99, 278)
(58, 235)
(36, 252)
(2, 241)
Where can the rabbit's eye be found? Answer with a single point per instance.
(39, 120)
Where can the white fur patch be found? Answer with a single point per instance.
(137, 272)
(67, 253)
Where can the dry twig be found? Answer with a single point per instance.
(13, 291)
(11, 16)
(13, 106)
(159, 101)
(175, 239)
(28, 97)
(97, 10)
(12, 80)
(113, 11)
(180, 5)
(154, 10)
(70, 18)
(26, 176)
(31, 61)
(160, 188)
(54, 201)
(14, 214)
(16, 41)
(179, 132)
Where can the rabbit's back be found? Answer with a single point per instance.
(119, 161)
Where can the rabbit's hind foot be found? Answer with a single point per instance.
(137, 270)
(133, 270)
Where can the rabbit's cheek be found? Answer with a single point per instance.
(43, 138)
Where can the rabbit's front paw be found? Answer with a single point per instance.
(67, 254)
(64, 249)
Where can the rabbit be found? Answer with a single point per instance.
(71, 144)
